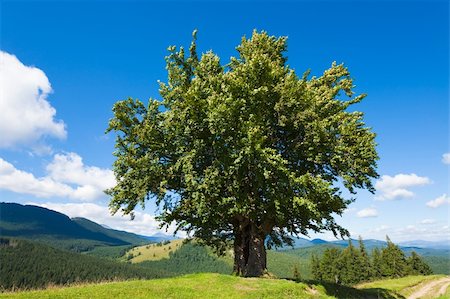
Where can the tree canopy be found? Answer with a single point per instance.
(246, 151)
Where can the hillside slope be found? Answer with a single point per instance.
(116, 234)
(58, 230)
(26, 264)
(223, 286)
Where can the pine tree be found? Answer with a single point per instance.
(330, 265)
(417, 265)
(315, 268)
(296, 272)
(366, 267)
(376, 263)
(350, 265)
(393, 262)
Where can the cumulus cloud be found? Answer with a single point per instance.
(69, 168)
(23, 182)
(446, 158)
(143, 223)
(27, 116)
(398, 186)
(366, 213)
(444, 199)
(67, 177)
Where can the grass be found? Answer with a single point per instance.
(188, 286)
(208, 285)
(153, 252)
(446, 295)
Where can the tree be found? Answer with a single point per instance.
(331, 265)
(377, 271)
(393, 260)
(417, 265)
(247, 151)
(366, 267)
(296, 272)
(350, 265)
(316, 271)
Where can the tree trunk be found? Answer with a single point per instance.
(250, 259)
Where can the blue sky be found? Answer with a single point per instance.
(83, 56)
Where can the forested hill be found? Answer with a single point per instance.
(28, 264)
(58, 230)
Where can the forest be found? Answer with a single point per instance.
(353, 265)
(31, 265)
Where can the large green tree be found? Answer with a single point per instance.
(246, 151)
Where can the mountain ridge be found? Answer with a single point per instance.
(57, 229)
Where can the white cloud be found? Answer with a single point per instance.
(381, 228)
(67, 177)
(69, 168)
(368, 212)
(446, 158)
(429, 233)
(444, 199)
(26, 115)
(143, 223)
(398, 185)
(428, 221)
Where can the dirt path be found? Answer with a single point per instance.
(426, 290)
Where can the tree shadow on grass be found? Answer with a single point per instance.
(347, 292)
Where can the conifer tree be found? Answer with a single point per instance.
(330, 266)
(417, 266)
(366, 267)
(315, 268)
(393, 261)
(350, 265)
(376, 263)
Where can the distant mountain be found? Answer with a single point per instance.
(131, 238)
(117, 234)
(159, 237)
(423, 248)
(58, 230)
(444, 244)
(369, 243)
(318, 241)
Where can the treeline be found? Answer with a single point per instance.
(109, 252)
(353, 265)
(29, 265)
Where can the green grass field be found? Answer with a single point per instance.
(188, 286)
(153, 252)
(226, 286)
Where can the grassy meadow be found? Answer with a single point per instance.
(153, 252)
(208, 285)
